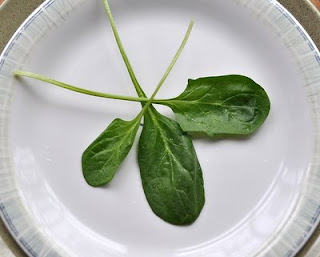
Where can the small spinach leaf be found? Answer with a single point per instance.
(231, 104)
(170, 171)
(104, 155)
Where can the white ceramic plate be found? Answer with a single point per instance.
(262, 192)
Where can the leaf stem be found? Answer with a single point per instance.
(122, 51)
(77, 89)
(136, 84)
(143, 99)
(174, 60)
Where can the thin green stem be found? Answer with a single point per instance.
(174, 60)
(122, 51)
(160, 101)
(143, 99)
(135, 82)
(77, 89)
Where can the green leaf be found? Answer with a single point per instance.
(102, 158)
(170, 171)
(231, 104)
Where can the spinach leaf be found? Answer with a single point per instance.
(170, 171)
(104, 155)
(231, 104)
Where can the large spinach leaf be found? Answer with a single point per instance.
(170, 171)
(231, 104)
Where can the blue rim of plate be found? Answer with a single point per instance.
(290, 236)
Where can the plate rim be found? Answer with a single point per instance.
(43, 5)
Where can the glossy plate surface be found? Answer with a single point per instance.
(260, 191)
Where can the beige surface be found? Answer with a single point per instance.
(14, 12)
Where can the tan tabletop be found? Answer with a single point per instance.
(14, 12)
